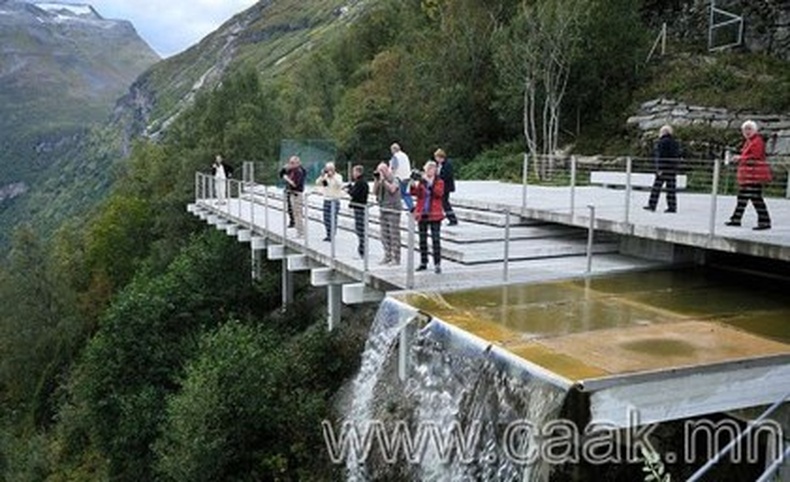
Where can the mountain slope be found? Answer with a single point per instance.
(62, 67)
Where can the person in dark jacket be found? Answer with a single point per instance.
(429, 191)
(294, 189)
(753, 173)
(667, 155)
(447, 175)
(359, 192)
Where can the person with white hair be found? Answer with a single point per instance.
(331, 183)
(753, 173)
(667, 155)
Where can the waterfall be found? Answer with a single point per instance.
(453, 413)
(390, 319)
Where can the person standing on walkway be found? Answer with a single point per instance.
(283, 173)
(753, 173)
(221, 173)
(387, 191)
(331, 183)
(447, 175)
(359, 191)
(294, 190)
(667, 156)
(429, 191)
(400, 166)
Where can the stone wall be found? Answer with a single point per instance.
(655, 113)
(766, 22)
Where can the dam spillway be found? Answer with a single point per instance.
(670, 343)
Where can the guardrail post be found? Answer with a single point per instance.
(714, 196)
(629, 166)
(285, 214)
(266, 209)
(506, 259)
(410, 254)
(333, 205)
(590, 238)
(366, 245)
(305, 218)
(573, 189)
(524, 174)
(197, 186)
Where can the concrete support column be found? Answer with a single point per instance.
(256, 263)
(288, 284)
(334, 303)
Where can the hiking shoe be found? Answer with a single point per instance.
(733, 223)
(761, 227)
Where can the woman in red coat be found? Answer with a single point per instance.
(429, 191)
(753, 173)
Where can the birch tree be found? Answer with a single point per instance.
(535, 58)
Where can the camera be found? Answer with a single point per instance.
(416, 175)
(376, 174)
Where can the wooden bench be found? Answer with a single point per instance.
(639, 180)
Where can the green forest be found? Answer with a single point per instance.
(133, 343)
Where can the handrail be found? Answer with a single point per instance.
(704, 469)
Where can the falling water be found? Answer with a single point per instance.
(452, 385)
(390, 319)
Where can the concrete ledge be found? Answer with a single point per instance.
(328, 276)
(275, 252)
(638, 179)
(212, 219)
(232, 229)
(360, 293)
(302, 262)
(244, 235)
(259, 243)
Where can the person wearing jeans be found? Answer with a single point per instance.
(448, 176)
(331, 182)
(359, 200)
(428, 213)
(753, 173)
(400, 165)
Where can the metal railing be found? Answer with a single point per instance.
(700, 186)
(228, 197)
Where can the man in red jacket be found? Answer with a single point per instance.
(753, 173)
(429, 191)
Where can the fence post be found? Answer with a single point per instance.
(506, 259)
(197, 186)
(333, 207)
(629, 165)
(524, 173)
(410, 254)
(714, 196)
(366, 245)
(573, 189)
(285, 214)
(305, 217)
(590, 238)
(266, 209)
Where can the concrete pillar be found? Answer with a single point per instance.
(334, 303)
(288, 284)
(256, 263)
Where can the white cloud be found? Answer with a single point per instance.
(172, 26)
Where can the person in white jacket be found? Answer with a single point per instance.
(400, 165)
(331, 183)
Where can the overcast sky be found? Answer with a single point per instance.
(170, 26)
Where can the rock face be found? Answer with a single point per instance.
(655, 113)
(766, 26)
(62, 67)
